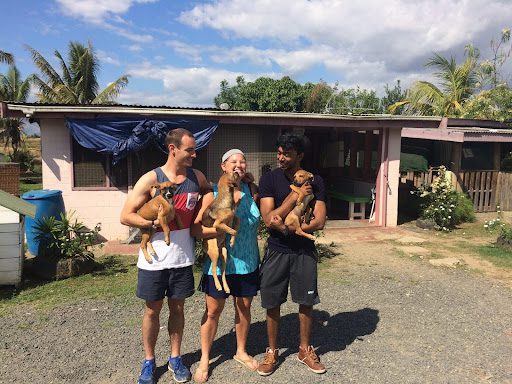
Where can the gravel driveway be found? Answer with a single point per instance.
(383, 319)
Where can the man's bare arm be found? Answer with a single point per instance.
(139, 195)
(269, 215)
(318, 220)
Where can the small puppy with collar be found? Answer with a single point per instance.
(302, 208)
(220, 214)
(160, 207)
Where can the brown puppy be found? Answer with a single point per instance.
(220, 214)
(302, 205)
(159, 207)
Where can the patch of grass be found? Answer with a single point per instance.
(25, 187)
(498, 255)
(116, 277)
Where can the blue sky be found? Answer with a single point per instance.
(177, 52)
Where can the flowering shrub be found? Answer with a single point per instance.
(66, 238)
(495, 224)
(442, 205)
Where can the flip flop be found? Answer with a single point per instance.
(247, 363)
(200, 376)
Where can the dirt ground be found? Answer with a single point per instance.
(387, 315)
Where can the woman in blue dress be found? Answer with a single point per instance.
(241, 272)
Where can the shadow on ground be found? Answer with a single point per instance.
(330, 333)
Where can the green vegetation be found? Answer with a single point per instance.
(66, 237)
(285, 95)
(77, 82)
(498, 255)
(444, 206)
(115, 277)
(6, 57)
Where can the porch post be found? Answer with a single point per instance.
(386, 204)
(394, 144)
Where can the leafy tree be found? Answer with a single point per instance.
(493, 104)
(317, 96)
(6, 58)
(392, 96)
(356, 101)
(264, 94)
(77, 83)
(457, 84)
(491, 68)
(13, 88)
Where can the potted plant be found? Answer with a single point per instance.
(64, 247)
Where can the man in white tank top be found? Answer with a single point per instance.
(170, 272)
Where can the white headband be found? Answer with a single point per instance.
(230, 153)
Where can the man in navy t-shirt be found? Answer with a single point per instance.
(289, 260)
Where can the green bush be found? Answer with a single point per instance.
(442, 205)
(24, 158)
(65, 238)
(464, 211)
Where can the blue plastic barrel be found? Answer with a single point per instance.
(48, 203)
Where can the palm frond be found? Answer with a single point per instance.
(6, 58)
(49, 73)
(66, 75)
(110, 93)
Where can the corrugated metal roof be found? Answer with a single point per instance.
(16, 204)
(478, 130)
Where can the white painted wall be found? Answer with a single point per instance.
(11, 250)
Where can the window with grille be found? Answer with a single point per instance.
(95, 170)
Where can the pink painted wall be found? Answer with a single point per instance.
(90, 207)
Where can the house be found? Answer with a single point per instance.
(354, 154)
(12, 218)
(474, 150)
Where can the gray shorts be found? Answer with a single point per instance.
(175, 283)
(278, 270)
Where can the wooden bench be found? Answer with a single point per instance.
(352, 201)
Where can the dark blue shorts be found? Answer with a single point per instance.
(175, 283)
(239, 285)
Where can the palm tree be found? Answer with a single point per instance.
(457, 84)
(13, 88)
(78, 83)
(6, 58)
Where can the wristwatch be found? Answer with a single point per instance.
(286, 230)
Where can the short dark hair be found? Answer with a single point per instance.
(289, 141)
(175, 135)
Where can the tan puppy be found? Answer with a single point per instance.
(220, 214)
(302, 206)
(159, 207)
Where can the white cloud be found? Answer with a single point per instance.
(188, 51)
(106, 58)
(363, 39)
(135, 48)
(97, 10)
(187, 87)
(105, 13)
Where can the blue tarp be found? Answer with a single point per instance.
(120, 136)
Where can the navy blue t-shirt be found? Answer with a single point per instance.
(277, 185)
